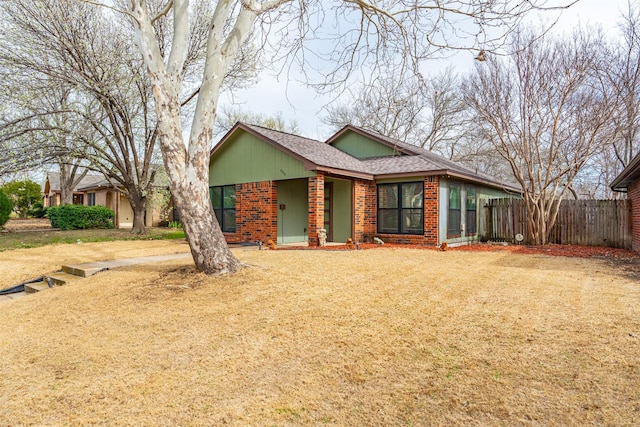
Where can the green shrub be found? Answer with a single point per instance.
(38, 211)
(5, 208)
(70, 217)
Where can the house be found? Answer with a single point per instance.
(629, 182)
(96, 190)
(266, 184)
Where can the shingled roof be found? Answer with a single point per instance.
(631, 173)
(89, 181)
(323, 156)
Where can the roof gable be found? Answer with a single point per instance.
(398, 159)
(628, 175)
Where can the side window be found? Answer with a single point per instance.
(454, 217)
(223, 199)
(471, 219)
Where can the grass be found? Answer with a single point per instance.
(376, 337)
(33, 239)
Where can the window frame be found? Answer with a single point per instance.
(401, 212)
(91, 199)
(471, 225)
(453, 232)
(222, 213)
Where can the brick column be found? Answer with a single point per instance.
(316, 207)
(364, 210)
(431, 213)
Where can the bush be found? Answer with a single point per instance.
(5, 208)
(38, 211)
(23, 195)
(70, 217)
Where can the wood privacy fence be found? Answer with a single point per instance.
(579, 222)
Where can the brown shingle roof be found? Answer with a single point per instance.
(324, 156)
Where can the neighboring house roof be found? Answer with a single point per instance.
(53, 178)
(627, 176)
(410, 160)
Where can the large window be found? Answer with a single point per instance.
(91, 199)
(453, 218)
(223, 199)
(400, 208)
(471, 211)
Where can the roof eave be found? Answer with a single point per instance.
(344, 172)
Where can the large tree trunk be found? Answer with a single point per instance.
(206, 241)
(189, 184)
(139, 207)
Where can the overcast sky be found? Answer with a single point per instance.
(275, 94)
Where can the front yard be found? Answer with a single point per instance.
(377, 337)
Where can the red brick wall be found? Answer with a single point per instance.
(256, 212)
(364, 210)
(431, 214)
(365, 213)
(316, 207)
(633, 194)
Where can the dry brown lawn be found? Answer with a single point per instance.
(378, 337)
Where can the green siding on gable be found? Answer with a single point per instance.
(361, 147)
(246, 158)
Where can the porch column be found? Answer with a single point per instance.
(316, 207)
(431, 212)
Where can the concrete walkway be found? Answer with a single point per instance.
(73, 272)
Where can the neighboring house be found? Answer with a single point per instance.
(629, 182)
(96, 190)
(358, 184)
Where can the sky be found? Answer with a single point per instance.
(275, 93)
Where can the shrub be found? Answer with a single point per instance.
(38, 211)
(23, 195)
(5, 208)
(70, 217)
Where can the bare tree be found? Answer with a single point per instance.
(230, 116)
(365, 35)
(94, 102)
(429, 113)
(545, 110)
(624, 75)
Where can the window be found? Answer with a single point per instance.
(453, 218)
(471, 211)
(91, 199)
(400, 208)
(223, 199)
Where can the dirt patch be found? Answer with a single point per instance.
(29, 224)
(391, 337)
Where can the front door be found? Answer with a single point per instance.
(328, 210)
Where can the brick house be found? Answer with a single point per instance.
(266, 184)
(96, 190)
(629, 182)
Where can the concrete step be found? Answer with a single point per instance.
(85, 270)
(32, 288)
(60, 278)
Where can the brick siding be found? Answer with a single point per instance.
(256, 212)
(365, 214)
(633, 194)
(316, 207)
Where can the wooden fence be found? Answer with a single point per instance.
(579, 222)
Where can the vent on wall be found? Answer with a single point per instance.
(429, 179)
